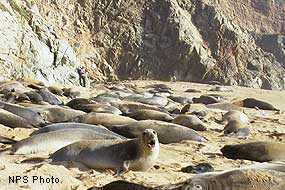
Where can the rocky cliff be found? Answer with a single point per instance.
(30, 48)
(195, 40)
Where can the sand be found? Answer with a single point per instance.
(74, 176)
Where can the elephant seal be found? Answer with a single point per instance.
(167, 132)
(255, 151)
(205, 99)
(70, 92)
(12, 120)
(154, 100)
(49, 97)
(9, 86)
(54, 140)
(181, 99)
(254, 103)
(34, 97)
(150, 114)
(75, 103)
(59, 114)
(198, 169)
(55, 90)
(32, 117)
(136, 154)
(99, 108)
(59, 126)
(106, 119)
(128, 107)
(271, 176)
(235, 115)
(190, 121)
(236, 128)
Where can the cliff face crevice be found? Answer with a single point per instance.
(196, 40)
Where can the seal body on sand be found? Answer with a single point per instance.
(74, 103)
(137, 154)
(54, 140)
(59, 114)
(49, 97)
(247, 179)
(254, 103)
(205, 99)
(256, 151)
(167, 132)
(236, 116)
(150, 114)
(106, 119)
(11, 120)
(99, 108)
(59, 126)
(236, 128)
(253, 178)
(128, 107)
(190, 121)
(31, 116)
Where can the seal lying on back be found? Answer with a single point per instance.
(256, 151)
(54, 140)
(167, 132)
(137, 154)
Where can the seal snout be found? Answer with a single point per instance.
(151, 137)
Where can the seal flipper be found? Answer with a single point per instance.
(124, 169)
(36, 160)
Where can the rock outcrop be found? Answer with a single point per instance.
(30, 48)
(195, 40)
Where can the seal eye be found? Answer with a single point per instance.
(154, 132)
(144, 133)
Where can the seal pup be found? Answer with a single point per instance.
(167, 132)
(256, 151)
(137, 154)
(54, 140)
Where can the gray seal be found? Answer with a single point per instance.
(54, 140)
(137, 154)
(167, 132)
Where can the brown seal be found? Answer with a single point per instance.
(254, 103)
(256, 151)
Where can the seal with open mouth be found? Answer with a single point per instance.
(119, 155)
